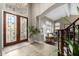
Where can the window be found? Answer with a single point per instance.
(57, 26)
(47, 27)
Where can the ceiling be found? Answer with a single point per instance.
(62, 11)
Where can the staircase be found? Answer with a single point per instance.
(71, 33)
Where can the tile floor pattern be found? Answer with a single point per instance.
(27, 49)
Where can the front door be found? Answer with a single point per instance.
(15, 29)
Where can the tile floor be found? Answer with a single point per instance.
(27, 49)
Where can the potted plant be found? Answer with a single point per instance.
(33, 33)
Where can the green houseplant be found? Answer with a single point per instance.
(74, 47)
(33, 32)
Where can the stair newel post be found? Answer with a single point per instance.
(67, 38)
(58, 34)
(78, 34)
(62, 42)
(73, 33)
(73, 36)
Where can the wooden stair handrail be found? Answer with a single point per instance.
(72, 23)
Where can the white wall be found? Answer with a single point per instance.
(38, 9)
(1, 5)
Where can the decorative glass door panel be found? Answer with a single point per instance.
(15, 28)
(23, 28)
(10, 28)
